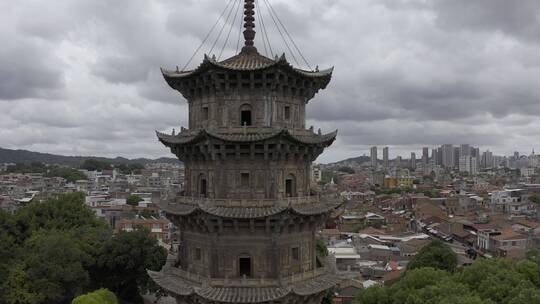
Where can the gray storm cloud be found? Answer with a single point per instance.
(82, 77)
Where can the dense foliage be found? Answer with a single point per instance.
(95, 165)
(70, 174)
(54, 251)
(327, 176)
(344, 169)
(321, 248)
(535, 199)
(130, 168)
(134, 200)
(484, 282)
(437, 255)
(101, 296)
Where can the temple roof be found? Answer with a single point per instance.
(179, 286)
(246, 135)
(247, 62)
(222, 208)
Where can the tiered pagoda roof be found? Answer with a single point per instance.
(251, 209)
(180, 283)
(247, 62)
(249, 134)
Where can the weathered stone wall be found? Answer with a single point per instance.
(216, 255)
(267, 178)
(267, 110)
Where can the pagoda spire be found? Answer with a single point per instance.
(249, 25)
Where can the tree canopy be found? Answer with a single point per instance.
(345, 169)
(535, 199)
(70, 174)
(54, 251)
(134, 200)
(95, 165)
(100, 296)
(130, 168)
(436, 254)
(484, 282)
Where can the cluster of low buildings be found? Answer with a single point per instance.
(106, 193)
(384, 224)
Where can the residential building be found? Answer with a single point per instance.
(373, 157)
(385, 157)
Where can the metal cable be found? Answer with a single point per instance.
(207, 35)
(289, 35)
(230, 29)
(280, 33)
(222, 28)
(239, 32)
(264, 31)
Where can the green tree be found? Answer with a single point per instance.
(124, 260)
(35, 167)
(18, 288)
(535, 199)
(373, 295)
(66, 212)
(8, 246)
(437, 255)
(95, 165)
(134, 200)
(54, 263)
(344, 169)
(101, 296)
(130, 168)
(70, 174)
(321, 248)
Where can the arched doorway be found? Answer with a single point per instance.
(290, 186)
(245, 115)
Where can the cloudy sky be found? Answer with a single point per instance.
(81, 77)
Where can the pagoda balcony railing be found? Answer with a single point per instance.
(247, 282)
(283, 202)
(328, 266)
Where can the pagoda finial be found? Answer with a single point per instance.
(249, 25)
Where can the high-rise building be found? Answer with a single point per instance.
(385, 157)
(373, 157)
(464, 150)
(413, 160)
(447, 156)
(487, 159)
(398, 162)
(246, 220)
(456, 157)
(468, 164)
(425, 156)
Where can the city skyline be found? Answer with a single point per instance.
(408, 74)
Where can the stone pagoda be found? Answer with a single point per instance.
(247, 220)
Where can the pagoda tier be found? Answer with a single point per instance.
(247, 162)
(277, 237)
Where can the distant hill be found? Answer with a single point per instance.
(24, 156)
(350, 162)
